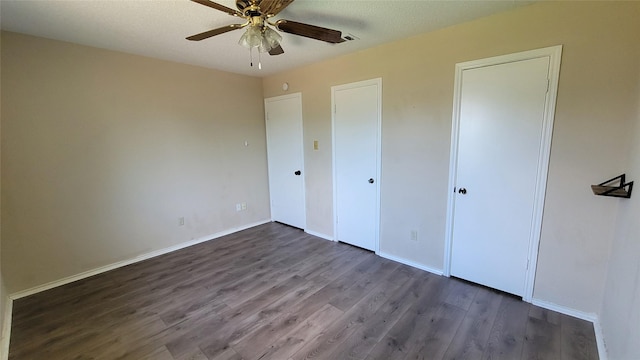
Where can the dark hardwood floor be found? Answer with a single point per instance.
(274, 292)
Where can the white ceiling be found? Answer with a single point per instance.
(157, 28)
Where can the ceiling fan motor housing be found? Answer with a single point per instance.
(249, 8)
(242, 4)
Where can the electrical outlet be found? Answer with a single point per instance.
(243, 206)
(238, 207)
(414, 235)
(181, 221)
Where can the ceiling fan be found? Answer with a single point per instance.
(259, 33)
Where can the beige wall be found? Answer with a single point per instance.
(596, 104)
(4, 332)
(620, 314)
(4, 296)
(102, 152)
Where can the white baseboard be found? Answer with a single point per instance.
(410, 263)
(6, 329)
(602, 348)
(96, 271)
(320, 235)
(590, 317)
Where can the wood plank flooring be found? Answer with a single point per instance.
(274, 292)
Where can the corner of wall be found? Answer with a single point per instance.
(602, 346)
(590, 317)
(6, 328)
(620, 309)
(5, 311)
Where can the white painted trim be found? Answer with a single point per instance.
(378, 82)
(555, 54)
(378, 164)
(590, 317)
(602, 346)
(149, 255)
(6, 329)
(453, 171)
(410, 263)
(298, 96)
(320, 235)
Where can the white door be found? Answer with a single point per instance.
(285, 157)
(500, 139)
(356, 140)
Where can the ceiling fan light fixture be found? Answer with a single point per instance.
(270, 39)
(251, 38)
(262, 37)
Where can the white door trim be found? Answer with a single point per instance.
(378, 83)
(554, 53)
(298, 96)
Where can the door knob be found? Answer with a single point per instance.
(298, 172)
(371, 181)
(462, 191)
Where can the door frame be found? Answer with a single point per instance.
(354, 85)
(554, 53)
(298, 96)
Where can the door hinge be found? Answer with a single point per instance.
(527, 264)
(548, 84)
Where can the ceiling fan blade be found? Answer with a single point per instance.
(310, 31)
(273, 7)
(276, 50)
(219, 7)
(214, 32)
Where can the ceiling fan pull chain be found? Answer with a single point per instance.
(259, 61)
(251, 57)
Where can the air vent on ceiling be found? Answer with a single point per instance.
(350, 37)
